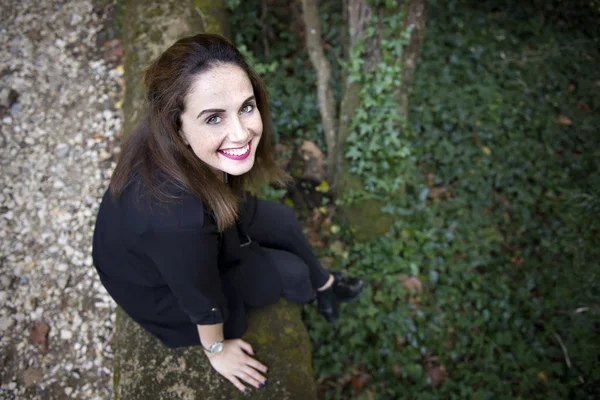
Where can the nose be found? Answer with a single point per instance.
(239, 133)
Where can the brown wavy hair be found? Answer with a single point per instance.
(156, 150)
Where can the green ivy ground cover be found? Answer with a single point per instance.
(487, 285)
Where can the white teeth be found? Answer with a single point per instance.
(237, 152)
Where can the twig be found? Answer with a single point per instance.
(203, 19)
(541, 54)
(564, 349)
(263, 19)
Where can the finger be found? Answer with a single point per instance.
(246, 347)
(236, 382)
(254, 374)
(256, 365)
(247, 377)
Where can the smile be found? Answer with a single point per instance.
(237, 154)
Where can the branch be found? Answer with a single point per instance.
(324, 92)
(415, 17)
(564, 349)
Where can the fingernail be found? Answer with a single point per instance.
(266, 382)
(261, 385)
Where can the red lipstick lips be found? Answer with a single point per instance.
(240, 157)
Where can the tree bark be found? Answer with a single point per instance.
(152, 26)
(325, 98)
(415, 17)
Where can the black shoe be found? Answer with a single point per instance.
(327, 304)
(343, 290)
(347, 290)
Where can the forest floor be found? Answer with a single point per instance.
(60, 86)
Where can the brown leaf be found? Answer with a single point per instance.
(412, 284)
(415, 301)
(437, 192)
(328, 262)
(109, 44)
(360, 381)
(437, 374)
(315, 164)
(30, 376)
(397, 368)
(563, 119)
(584, 107)
(117, 50)
(39, 334)
(314, 238)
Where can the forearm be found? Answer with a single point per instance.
(210, 334)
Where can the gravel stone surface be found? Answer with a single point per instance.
(60, 90)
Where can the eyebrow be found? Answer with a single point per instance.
(211, 110)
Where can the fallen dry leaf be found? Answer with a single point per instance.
(437, 192)
(584, 107)
(360, 381)
(563, 119)
(412, 284)
(328, 262)
(39, 334)
(314, 238)
(437, 374)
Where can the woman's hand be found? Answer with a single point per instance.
(235, 364)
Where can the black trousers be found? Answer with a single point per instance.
(283, 264)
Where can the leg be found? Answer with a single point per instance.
(274, 225)
(265, 275)
(295, 277)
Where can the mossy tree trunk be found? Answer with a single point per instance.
(366, 217)
(143, 368)
(149, 28)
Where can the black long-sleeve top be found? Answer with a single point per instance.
(160, 263)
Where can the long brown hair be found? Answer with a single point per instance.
(156, 148)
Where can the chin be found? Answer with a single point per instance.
(240, 170)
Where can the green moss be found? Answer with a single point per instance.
(215, 16)
(144, 368)
(365, 217)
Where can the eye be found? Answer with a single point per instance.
(213, 120)
(248, 108)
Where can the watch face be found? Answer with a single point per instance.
(217, 347)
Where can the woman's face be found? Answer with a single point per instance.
(221, 122)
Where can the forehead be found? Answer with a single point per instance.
(222, 86)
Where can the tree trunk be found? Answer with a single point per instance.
(314, 46)
(152, 26)
(143, 367)
(366, 217)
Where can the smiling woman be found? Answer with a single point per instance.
(225, 138)
(179, 243)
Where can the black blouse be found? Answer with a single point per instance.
(165, 264)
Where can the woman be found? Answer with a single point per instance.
(179, 244)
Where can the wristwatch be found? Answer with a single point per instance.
(214, 348)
